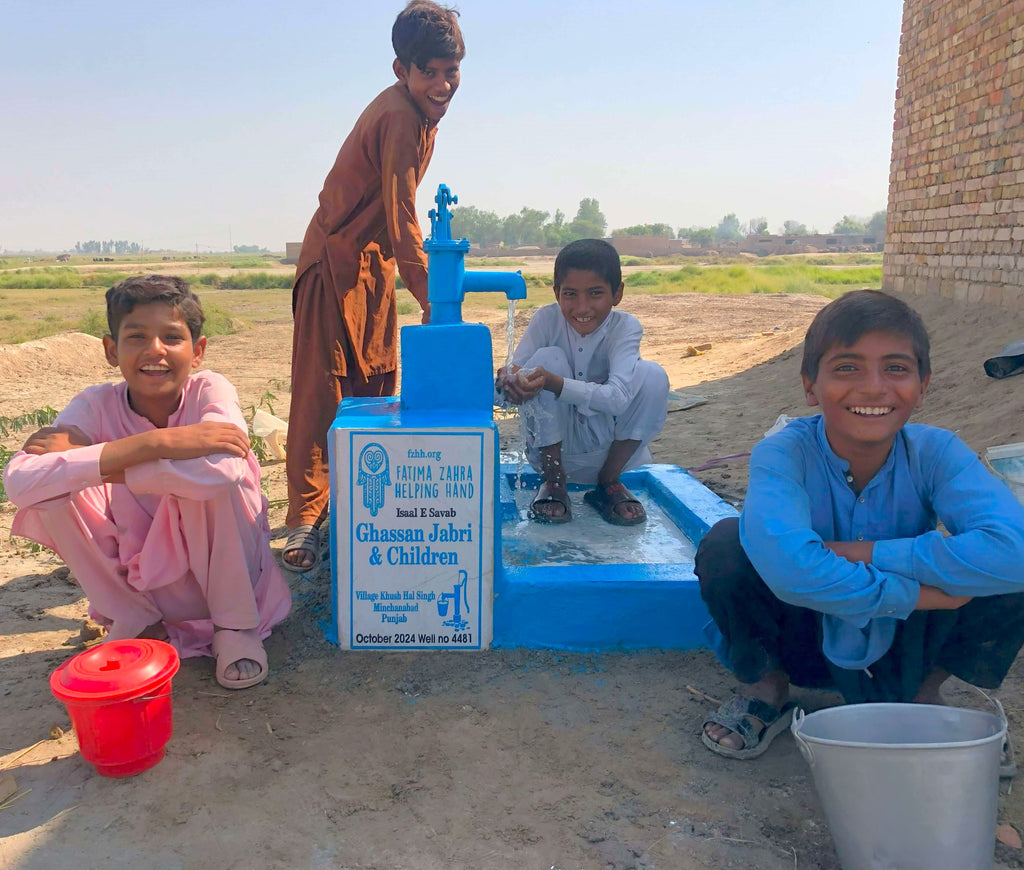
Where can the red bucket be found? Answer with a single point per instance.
(118, 695)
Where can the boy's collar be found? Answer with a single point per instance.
(589, 335)
(427, 123)
(837, 462)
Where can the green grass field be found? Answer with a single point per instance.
(241, 291)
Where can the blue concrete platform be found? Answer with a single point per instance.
(623, 606)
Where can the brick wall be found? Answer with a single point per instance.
(955, 224)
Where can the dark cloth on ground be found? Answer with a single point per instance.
(1009, 361)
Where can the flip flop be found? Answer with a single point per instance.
(232, 645)
(551, 493)
(304, 537)
(604, 499)
(732, 715)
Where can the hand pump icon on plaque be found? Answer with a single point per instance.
(456, 622)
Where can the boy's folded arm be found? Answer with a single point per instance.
(198, 460)
(33, 480)
(199, 479)
(615, 395)
(61, 459)
(793, 560)
(984, 552)
(593, 398)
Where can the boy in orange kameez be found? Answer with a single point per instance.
(345, 335)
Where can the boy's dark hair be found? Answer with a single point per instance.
(844, 320)
(424, 31)
(594, 255)
(143, 289)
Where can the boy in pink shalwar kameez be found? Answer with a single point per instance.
(149, 492)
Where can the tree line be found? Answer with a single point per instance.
(120, 246)
(532, 226)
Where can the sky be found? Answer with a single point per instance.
(204, 125)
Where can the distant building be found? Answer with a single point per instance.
(292, 251)
(646, 246)
(768, 245)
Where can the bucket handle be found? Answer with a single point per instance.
(805, 746)
(153, 697)
(999, 707)
(801, 741)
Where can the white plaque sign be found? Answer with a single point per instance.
(415, 538)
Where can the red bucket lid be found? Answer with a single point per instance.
(115, 670)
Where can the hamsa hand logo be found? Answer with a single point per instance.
(374, 476)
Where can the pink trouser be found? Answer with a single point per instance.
(200, 564)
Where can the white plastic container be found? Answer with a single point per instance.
(1006, 461)
(273, 430)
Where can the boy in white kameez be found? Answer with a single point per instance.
(593, 404)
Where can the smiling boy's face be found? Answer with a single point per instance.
(156, 354)
(867, 391)
(586, 299)
(433, 87)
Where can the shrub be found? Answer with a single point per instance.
(643, 279)
(103, 279)
(47, 278)
(255, 281)
(218, 321)
(93, 322)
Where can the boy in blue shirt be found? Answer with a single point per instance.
(835, 575)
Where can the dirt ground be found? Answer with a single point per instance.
(501, 759)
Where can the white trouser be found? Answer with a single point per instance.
(585, 438)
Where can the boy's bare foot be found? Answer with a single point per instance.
(243, 669)
(241, 659)
(616, 504)
(302, 549)
(551, 504)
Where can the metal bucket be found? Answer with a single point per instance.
(906, 786)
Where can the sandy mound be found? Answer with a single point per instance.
(48, 372)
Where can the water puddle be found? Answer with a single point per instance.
(589, 540)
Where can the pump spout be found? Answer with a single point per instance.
(448, 282)
(511, 284)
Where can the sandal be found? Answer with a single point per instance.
(551, 493)
(306, 538)
(233, 645)
(605, 500)
(733, 715)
